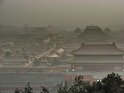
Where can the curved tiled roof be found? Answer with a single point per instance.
(100, 49)
(93, 33)
(93, 30)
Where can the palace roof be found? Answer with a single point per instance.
(78, 61)
(99, 49)
(93, 29)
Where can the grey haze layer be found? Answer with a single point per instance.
(62, 12)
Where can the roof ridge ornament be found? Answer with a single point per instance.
(114, 44)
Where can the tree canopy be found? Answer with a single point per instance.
(112, 83)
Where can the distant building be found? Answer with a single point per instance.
(13, 62)
(95, 54)
(77, 30)
(92, 34)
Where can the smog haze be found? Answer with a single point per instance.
(67, 13)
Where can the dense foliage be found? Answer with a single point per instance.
(112, 83)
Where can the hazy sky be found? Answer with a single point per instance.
(62, 12)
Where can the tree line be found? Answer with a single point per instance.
(112, 83)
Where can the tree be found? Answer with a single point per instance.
(79, 86)
(112, 83)
(17, 90)
(97, 87)
(44, 90)
(63, 88)
(28, 88)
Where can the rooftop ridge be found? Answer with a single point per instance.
(98, 49)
